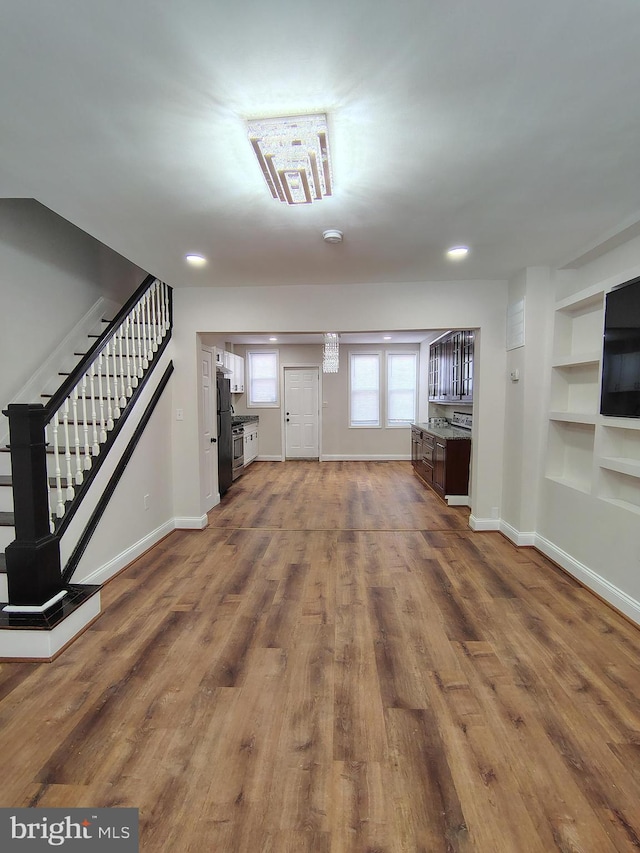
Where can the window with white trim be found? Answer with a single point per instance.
(364, 389)
(402, 386)
(262, 369)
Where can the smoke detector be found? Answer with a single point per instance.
(332, 235)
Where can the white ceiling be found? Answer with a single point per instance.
(511, 126)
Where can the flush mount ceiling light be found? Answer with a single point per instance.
(195, 260)
(293, 154)
(456, 253)
(332, 235)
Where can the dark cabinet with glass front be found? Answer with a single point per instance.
(451, 368)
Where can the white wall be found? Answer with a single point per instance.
(337, 439)
(51, 274)
(430, 305)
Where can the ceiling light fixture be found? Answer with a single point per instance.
(331, 352)
(332, 235)
(195, 260)
(293, 154)
(456, 253)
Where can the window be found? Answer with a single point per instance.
(263, 378)
(401, 388)
(364, 389)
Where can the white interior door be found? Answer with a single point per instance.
(208, 456)
(302, 412)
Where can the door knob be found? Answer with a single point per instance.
(213, 441)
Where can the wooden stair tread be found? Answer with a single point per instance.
(5, 480)
(7, 519)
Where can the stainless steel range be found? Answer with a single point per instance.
(462, 420)
(237, 436)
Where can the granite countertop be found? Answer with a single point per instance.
(448, 432)
(244, 419)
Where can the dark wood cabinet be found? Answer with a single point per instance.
(440, 462)
(451, 368)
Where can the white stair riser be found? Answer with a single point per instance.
(7, 535)
(6, 499)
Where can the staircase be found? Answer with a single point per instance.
(56, 447)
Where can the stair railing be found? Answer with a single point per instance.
(84, 410)
(75, 426)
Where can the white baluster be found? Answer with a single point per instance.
(106, 364)
(155, 317)
(76, 436)
(122, 402)
(95, 447)
(128, 349)
(57, 472)
(149, 341)
(165, 305)
(85, 424)
(52, 525)
(103, 424)
(142, 338)
(67, 450)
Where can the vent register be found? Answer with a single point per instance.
(293, 154)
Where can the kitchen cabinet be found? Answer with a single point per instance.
(451, 368)
(250, 443)
(237, 375)
(441, 457)
(232, 366)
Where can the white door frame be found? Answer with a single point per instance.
(299, 366)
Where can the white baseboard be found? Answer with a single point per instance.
(187, 523)
(366, 457)
(518, 538)
(483, 523)
(267, 458)
(108, 570)
(44, 645)
(615, 597)
(457, 500)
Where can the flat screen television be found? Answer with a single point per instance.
(620, 395)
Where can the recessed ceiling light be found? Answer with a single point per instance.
(456, 253)
(332, 235)
(386, 337)
(273, 339)
(195, 260)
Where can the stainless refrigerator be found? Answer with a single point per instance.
(225, 447)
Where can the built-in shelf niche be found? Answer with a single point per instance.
(579, 327)
(570, 454)
(620, 489)
(619, 448)
(575, 387)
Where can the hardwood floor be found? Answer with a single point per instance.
(338, 664)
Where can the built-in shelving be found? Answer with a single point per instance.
(570, 454)
(587, 451)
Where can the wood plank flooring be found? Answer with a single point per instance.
(337, 664)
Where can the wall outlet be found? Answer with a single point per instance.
(179, 414)
(495, 512)
(146, 501)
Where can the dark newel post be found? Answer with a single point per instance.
(33, 559)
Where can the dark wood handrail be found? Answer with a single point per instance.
(52, 406)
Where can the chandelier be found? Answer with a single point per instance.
(293, 154)
(331, 353)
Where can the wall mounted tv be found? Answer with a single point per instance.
(621, 356)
